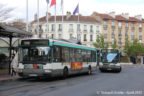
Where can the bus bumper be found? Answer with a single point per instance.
(35, 73)
(110, 68)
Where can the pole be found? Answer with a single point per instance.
(62, 17)
(47, 22)
(27, 15)
(55, 24)
(38, 18)
(78, 37)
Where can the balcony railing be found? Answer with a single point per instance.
(60, 30)
(113, 26)
(85, 30)
(133, 28)
(105, 26)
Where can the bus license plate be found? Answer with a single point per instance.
(33, 75)
(109, 69)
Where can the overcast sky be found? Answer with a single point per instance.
(87, 7)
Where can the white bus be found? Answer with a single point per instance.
(110, 60)
(47, 57)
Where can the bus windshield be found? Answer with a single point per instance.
(34, 54)
(110, 57)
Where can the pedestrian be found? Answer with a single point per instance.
(13, 62)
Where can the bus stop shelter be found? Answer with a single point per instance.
(11, 32)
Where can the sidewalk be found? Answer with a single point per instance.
(128, 64)
(4, 78)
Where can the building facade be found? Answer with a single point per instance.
(85, 29)
(121, 27)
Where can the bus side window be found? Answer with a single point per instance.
(65, 54)
(72, 57)
(56, 54)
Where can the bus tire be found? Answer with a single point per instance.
(65, 72)
(89, 70)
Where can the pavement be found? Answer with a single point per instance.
(129, 82)
(4, 78)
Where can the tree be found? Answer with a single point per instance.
(133, 48)
(5, 12)
(127, 47)
(114, 45)
(100, 43)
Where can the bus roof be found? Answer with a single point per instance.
(65, 44)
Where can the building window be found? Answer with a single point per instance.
(105, 39)
(91, 37)
(60, 36)
(46, 28)
(126, 25)
(119, 33)
(113, 23)
(71, 36)
(140, 33)
(91, 28)
(78, 28)
(85, 37)
(132, 25)
(105, 23)
(140, 25)
(105, 31)
(70, 27)
(52, 36)
(140, 41)
(60, 27)
(132, 33)
(126, 33)
(85, 27)
(120, 24)
(112, 40)
(119, 41)
(53, 27)
(113, 32)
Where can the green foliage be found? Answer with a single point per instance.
(114, 45)
(100, 43)
(133, 48)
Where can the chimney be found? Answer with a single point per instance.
(68, 15)
(125, 15)
(112, 14)
(35, 17)
(139, 17)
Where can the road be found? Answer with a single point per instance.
(130, 82)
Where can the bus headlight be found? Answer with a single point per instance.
(117, 64)
(47, 71)
(21, 66)
(100, 64)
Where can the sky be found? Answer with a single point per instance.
(86, 7)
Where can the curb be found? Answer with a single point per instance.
(127, 64)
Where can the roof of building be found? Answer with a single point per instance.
(6, 31)
(106, 16)
(117, 17)
(70, 18)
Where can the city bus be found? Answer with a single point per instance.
(48, 57)
(110, 60)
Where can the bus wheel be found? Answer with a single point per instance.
(65, 73)
(89, 70)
